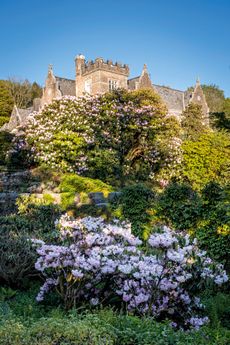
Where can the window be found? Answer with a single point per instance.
(88, 84)
(113, 84)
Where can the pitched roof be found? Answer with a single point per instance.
(18, 118)
(174, 99)
(66, 86)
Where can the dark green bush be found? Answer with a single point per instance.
(213, 231)
(3, 120)
(213, 193)
(5, 144)
(218, 309)
(17, 257)
(25, 322)
(38, 215)
(180, 206)
(206, 216)
(134, 204)
(103, 328)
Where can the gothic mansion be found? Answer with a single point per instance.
(101, 76)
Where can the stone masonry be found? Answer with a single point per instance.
(100, 76)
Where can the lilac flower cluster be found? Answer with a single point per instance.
(63, 133)
(97, 261)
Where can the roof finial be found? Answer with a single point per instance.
(197, 81)
(50, 68)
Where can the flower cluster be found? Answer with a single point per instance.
(97, 262)
(74, 134)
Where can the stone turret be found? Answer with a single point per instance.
(198, 97)
(99, 76)
(79, 66)
(144, 80)
(50, 90)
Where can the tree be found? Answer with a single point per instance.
(6, 101)
(206, 159)
(114, 137)
(20, 92)
(193, 121)
(214, 97)
(35, 92)
(23, 92)
(135, 127)
(221, 120)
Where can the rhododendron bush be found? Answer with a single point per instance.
(103, 263)
(106, 136)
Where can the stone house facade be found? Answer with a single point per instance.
(100, 76)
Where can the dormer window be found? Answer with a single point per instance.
(113, 85)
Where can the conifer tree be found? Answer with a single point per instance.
(193, 122)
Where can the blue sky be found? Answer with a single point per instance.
(179, 40)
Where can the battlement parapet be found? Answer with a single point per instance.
(108, 65)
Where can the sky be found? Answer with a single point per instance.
(179, 40)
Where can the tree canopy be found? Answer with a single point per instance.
(114, 137)
(193, 123)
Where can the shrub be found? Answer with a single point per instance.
(134, 204)
(5, 145)
(72, 184)
(180, 206)
(206, 216)
(101, 263)
(218, 309)
(17, 258)
(213, 231)
(104, 328)
(100, 136)
(39, 214)
(25, 322)
(206, 160)
(3, 120)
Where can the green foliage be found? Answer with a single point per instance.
(6, 101)
(6, 293)
(23, 92)
(213, 231)
(72, 184)
(206, 216)
(17, 257)
(218, 309)
(36, 216)
(134, 204)
(5, 145)
(180, 206)
(214, 97)
(125, 138)
(221, 120)
(76, 184)
(35, 91)
(3, 120)
(192, 121)
(206, 159)
(67, 200)
(37, 325)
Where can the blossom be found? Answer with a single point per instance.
(95, 261)
(174, 255)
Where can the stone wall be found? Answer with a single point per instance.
(24, 183)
